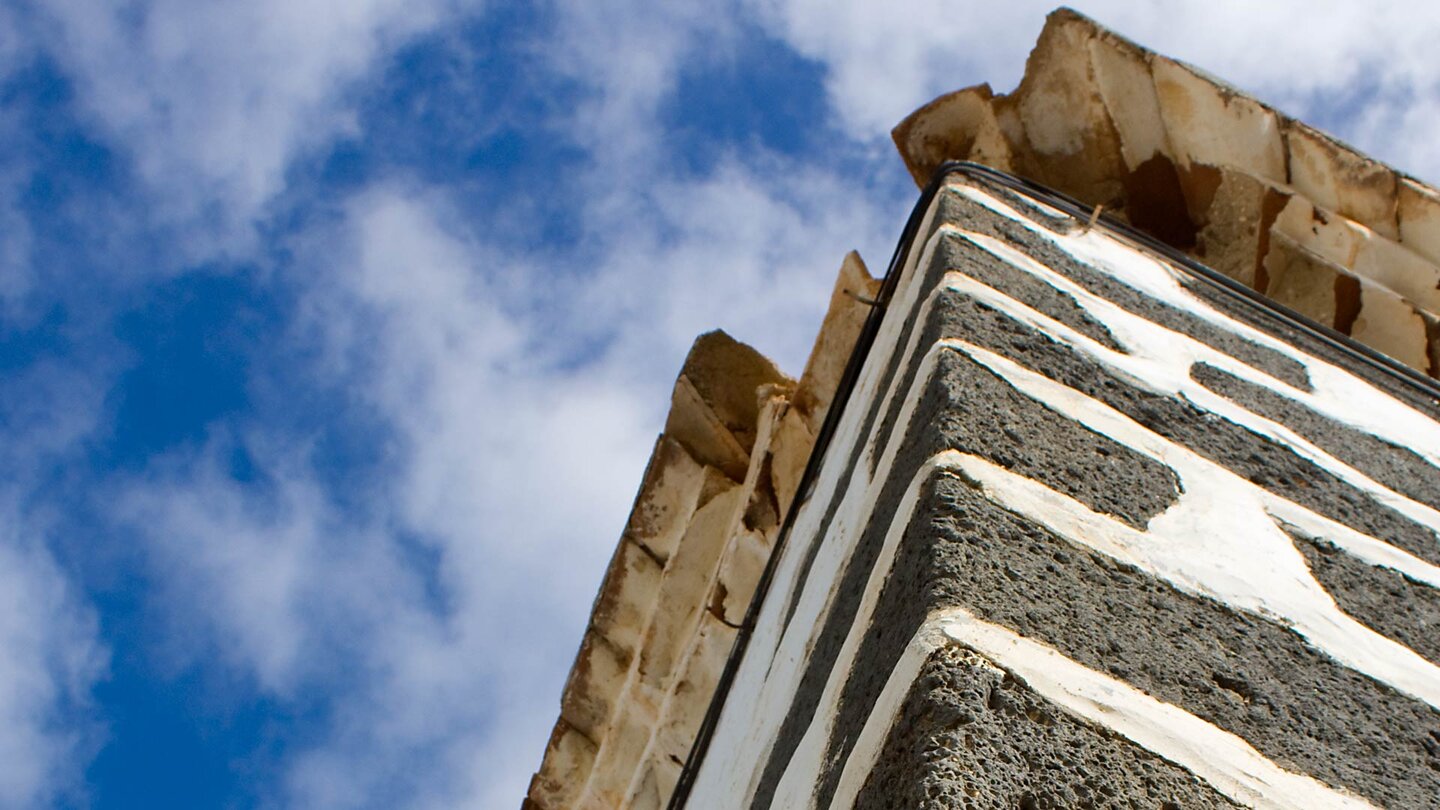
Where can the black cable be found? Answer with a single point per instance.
(1401, 373)
(863, 342)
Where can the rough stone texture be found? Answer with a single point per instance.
(848, 310)
(1396, 467)
(1388, 601)
(957, 251)
(974, 737)
(564, 771)
(1252, 677)
(1206, 169)
(667, 498)
(982, 412)
(1023, 586)
(718, 483)
(957, 208)
(1252, 456)
(1342, 180)
(1010, 350)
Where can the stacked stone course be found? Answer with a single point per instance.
(1247, 190)
(1093, 529)
(719, 482)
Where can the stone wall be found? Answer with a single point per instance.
(1205, 168)
(719, 482)
(1096, 533)
(1093, 530)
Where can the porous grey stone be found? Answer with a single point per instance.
(972, 736)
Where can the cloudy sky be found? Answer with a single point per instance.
(335, 334)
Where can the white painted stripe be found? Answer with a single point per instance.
(1224, 761)
(1159, 360)
(1218, 540)
(1369, 549)
(866, 753)
(774, 664)
(1337, 393)
(770, 673)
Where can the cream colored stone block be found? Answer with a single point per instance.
(593, 689)
(679, 719)
(990, 146)
(1239, 210)
(1215, 125)
(1391, 325)
(696, 426)
(789, 455)
(1067, 125)
(836, 341)
(569, 758)
(1365, 253)
(740, 569)
(1419, 215)
(627, 597)
(1325, 234)
(686, 583)
(761, 510)
(726, 374)
(1122, 72)
(955, 126)
(1012, 129)
(1338, 179)
(689, 699)
(654, 783)
(1400, 270)
(666, 772)
(667, 498)
(620, 754)
(644, 793)
(1301, 280)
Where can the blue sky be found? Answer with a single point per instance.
(334, 337)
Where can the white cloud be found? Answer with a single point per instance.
(50, 663)
(512, 467)
(626, 55)
(213, 100)
(254, 562)
(884, 61)
(519, 472)
(51, 656)
(752, 248)
(517, 400)
(514, 478)
(509, 460)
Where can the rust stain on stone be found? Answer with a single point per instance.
(1347, 303)
(1155, 203)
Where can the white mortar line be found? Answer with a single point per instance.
(773, 667)
(766, 681)
(1221, 759)
(1218, 540)
(1337, 393)
(1247, 562)
(1161, 359)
